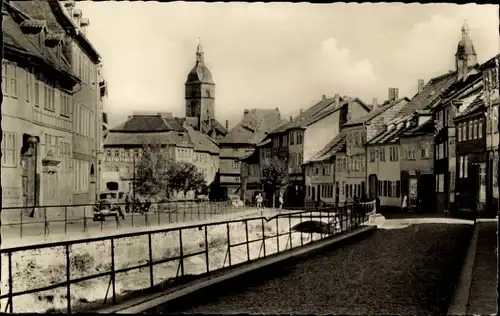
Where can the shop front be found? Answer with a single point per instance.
(419, 187)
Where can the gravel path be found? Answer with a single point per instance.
(400, 271)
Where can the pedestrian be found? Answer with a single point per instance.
(127, 202)
(404, 203)
(259, 200)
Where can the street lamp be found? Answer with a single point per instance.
(33, 141)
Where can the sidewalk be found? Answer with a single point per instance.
(476, 291)
(35, 240)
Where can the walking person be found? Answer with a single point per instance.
(127, 202)
(280, 200)
(259, 200)
(404, 204)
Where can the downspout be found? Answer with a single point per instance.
(366, 160)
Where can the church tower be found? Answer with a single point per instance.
(200, 92)
(466, 57)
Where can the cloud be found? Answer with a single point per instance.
(336, 70)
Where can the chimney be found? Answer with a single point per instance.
(227, 124)
(396, 93)
(391, 94)
(77, 15)
(69, 5)
(84, 23)
(420, 85)
(337, 99)
(375, 103)
(246, 112)
(323, 97)
(291, 118)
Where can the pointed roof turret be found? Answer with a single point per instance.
(465, 46)
(200, 72)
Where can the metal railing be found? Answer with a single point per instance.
(67, 219)
(255, 238)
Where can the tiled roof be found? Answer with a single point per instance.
(474, 106)
(389, 135)
(148, 124)
(52, 12)
(14, 37)
(116, 138)
(36, 24)
(430, 92)
(458, 86)
(333, 146)
(371, 115)
(254, 126)
(426, 128)
(306, 116)
(201, 141)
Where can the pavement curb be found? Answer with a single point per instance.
(460, 301)
(158, 300)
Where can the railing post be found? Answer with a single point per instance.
(65, 220)
(84, 221)
(248, 245)
(206, 249)
(263, 237)
(150, 260)
(290, 229)
(68, 278)
(146, 221)
(228, 243)
(133, 211)
(113, 276)
(21, 221)
(277, 236)
(158, 213)
(10, 301)
(46, 231)
(181, 253)
(301, 239)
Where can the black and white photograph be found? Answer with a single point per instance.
(249, 158)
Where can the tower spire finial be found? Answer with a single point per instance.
(199, 52)
(465, 29)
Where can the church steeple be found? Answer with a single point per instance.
(199, 53)
(466, 57)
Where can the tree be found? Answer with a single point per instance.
(184, 177)
(275, 176)
(151, 178)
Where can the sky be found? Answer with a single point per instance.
(268, 55)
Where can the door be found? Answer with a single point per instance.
(337, 193)
(426, 192)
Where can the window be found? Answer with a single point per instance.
(236, 164)
(285, 141)
(292, 138)
(372, 155)
(470, 130)
(464, 131)
(381, 152)
(37, 93)
(459, 132)
(480, 129)
(28, 86)
(425, 151)
(9, 79)
(393, 154)
(439, 182)
(466, 167)
(65, 105)
(9, 149)
(474, 129)
(49, 100)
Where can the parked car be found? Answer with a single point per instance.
(235, 201)
(107, 206)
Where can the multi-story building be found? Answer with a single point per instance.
(320, 171)
(491, 99)
(296, 141)
(389, 169)
(240, 142)
(444, 109)
(416, 165)
(471, 157)
(40, 118)
(124, 144)
(360, 131)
